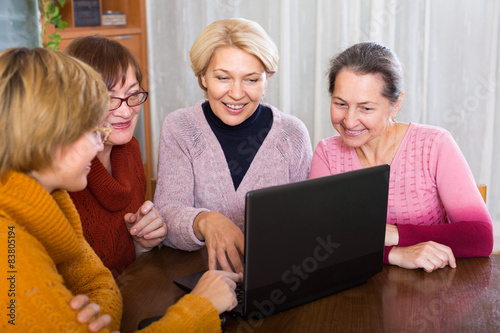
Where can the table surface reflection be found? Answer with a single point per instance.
(465, 299)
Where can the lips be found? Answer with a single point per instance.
(121, 126)
(353, 132)
(234, 108)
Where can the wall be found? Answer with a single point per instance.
(19, 23)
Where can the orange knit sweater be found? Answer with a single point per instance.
(46, 262)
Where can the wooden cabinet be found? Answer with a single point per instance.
(132, 35)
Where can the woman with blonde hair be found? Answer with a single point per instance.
(51, 127)
(50, 130)
(213, 153)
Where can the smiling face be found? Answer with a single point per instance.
(71, 165)
(359, 112)
(123, 119)
(235, 82)
(74, 162)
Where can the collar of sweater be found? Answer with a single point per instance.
(51, 218)
(114, 192)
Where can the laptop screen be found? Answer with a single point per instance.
(309, 239)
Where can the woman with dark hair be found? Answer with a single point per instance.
(435, 212)
(117, 221)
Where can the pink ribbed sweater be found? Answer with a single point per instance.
(193, 174)
(432, 192)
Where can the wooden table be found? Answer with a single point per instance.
(465, 299)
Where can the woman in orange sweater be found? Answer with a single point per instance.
(51, 106)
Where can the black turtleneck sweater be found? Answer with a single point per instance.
(240, 143)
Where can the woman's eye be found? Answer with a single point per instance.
(221, 78)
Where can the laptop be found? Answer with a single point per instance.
(310, 239)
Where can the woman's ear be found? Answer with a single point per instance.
(396, 106)
(203, 80)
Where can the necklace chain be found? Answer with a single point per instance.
(395, 139)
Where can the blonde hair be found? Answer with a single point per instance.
(47, 100)
(244, 34)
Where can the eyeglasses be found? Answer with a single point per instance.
(133, 100)
(101, 134)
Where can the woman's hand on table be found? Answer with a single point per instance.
(428, 255)
(218, 287)
(146, 226)
(223, 240)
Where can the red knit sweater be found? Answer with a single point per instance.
(103, 204)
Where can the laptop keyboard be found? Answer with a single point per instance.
(239, 293)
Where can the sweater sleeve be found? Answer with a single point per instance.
(190, 314)
(301, 150)
(88, 275)
(39, 291)
(470, 231)
(174, 194)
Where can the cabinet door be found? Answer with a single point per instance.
(133, 43)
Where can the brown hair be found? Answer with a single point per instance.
(370, 58)
(244, 34)
(108, 57)
(47, 100)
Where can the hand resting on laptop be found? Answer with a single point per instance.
(218, 287)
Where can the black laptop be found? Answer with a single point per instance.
(310, 239)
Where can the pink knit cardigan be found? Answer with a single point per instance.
(432, 192)
(193, 174)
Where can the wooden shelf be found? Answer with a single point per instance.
(133, 35)
(80, 32)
